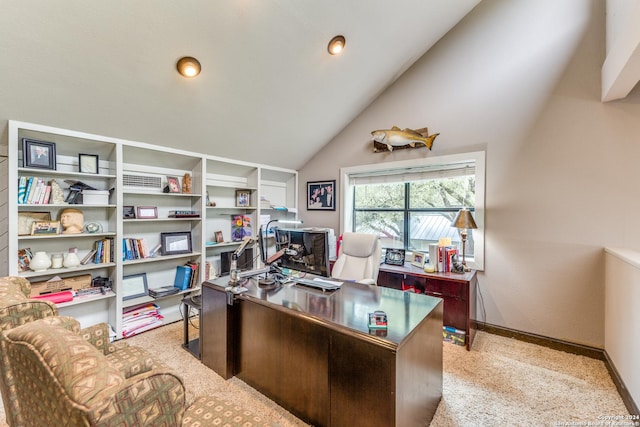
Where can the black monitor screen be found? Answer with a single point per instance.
(245, 261)
(304, 250)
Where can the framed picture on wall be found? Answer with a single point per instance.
(321, 195)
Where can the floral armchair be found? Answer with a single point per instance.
(64, 380)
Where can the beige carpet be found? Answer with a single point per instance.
(501, 381)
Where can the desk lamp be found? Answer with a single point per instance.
(464, 221)
(264, 247)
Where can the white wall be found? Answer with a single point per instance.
(522, 81)
(622, 317)
(4, 223)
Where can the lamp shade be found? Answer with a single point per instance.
(464, 219)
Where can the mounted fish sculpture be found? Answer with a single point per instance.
(388, 139)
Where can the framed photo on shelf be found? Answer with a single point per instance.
(134, 286)
(44, 228)
(394, 256)
(173, 184)
(243, 198)
(26, 220)
(88, 163)
(38, 154)
(321, 195)
(219, 237)
(174, 243)
(417, 259)
(147, 212)
(128, 212)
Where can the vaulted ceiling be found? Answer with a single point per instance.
(268, 92)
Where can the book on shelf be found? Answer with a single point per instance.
(184, 214)
(163, 291)
(133, 248)
(22, 189)
(183, 277)
(155, 250)
(88, 257)
(193, 282)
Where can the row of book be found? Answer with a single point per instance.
(133, 248)
(140, 318)
(445, 256)
(103, 251)
(33, 191)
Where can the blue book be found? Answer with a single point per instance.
(183, 277)
(22, 189)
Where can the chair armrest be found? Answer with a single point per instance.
(133, 400)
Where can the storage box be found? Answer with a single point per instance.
(95, 197)
(66, 284)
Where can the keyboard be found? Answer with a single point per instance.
(324, 285)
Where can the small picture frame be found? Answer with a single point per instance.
(45, 228)
(394, 256)
(38, 154)
(88, 163)
(128, 212)
(219, 237)
(147, 212)
(418, 259)
(321, 195)
(243, 198)
(26, 220)
(134, 286)
(174, 243)
(173, 183)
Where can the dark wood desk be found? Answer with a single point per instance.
(313, 353)
(457, 290)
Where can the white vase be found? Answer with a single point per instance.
(40, 261)
(71, 260)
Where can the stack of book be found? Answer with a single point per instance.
(163, 291)
(140, 318)
(184, 214)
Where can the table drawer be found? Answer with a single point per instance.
(447, 288)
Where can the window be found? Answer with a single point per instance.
(411, 204)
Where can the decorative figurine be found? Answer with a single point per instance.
(186, 183)
(72, 220)
(57, 195)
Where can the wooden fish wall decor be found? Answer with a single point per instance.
(396, 138)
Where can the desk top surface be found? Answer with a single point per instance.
(347, 308)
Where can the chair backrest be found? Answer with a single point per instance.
(359, 258)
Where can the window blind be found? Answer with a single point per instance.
(420, 173)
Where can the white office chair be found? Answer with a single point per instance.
(359, 258)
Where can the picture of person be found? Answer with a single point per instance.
(321, 195)
(174, 184)
(39, 155)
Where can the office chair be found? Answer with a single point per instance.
(359, 258)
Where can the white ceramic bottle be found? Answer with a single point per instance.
(40, 261)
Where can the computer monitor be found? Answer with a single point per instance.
(304, 250)
(245, 261)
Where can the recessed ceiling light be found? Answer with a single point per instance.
(336, 45)
(188, 66)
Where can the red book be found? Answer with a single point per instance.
(57, 297)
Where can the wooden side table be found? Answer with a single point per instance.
(457, 290)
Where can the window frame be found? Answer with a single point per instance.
(477, 157)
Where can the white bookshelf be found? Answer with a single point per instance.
(137, 174)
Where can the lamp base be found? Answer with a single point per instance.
(267, 284)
